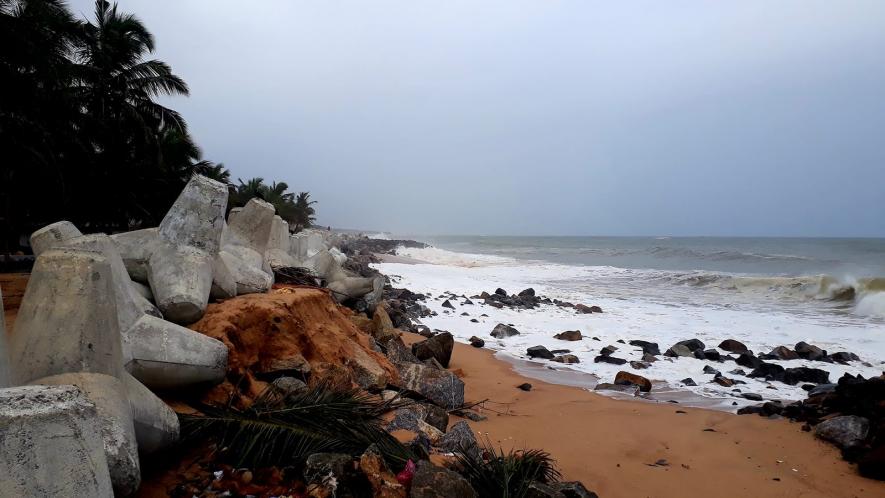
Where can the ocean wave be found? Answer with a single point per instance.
(721, 255)
(438, 256)
(866, 294)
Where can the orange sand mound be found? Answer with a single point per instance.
(612, 446)
(276, 333)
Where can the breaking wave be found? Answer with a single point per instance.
(866, 294)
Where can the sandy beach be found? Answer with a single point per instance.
(613, 445)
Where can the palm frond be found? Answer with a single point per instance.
(284, 429)
(496, 474)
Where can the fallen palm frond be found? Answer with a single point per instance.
(294, 275)
(284, 429)
(496, 474)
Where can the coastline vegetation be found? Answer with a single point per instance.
(81, 127)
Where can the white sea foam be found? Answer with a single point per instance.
(632, 311)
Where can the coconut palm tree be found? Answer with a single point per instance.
(304, 211)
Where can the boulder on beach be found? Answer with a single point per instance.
(692, 344)
(733, 346)
(567, 358)
(679, 350)
(569, 335)
(783, 353)
(608, 359)
(809, 351)
(647, 347)
(502, 331)
(845, 431)
(627, 378)
(439, 347)
(477, 342)
(539, 352)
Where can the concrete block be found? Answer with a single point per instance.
(325, 266)
(67, 321)
(251, 226)
(197, 216)
(224, 285)
(135, 248)
(50, 444)
(115, 424)
(180, 277)
(351, 287)
(163, 355)
(249, 279)
(156, 425)
(51, 235)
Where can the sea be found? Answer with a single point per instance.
(764, 292)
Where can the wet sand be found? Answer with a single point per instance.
(613, 445)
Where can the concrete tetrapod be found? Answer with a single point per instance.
(189, 237)
(159, 353)
(50, 444)
(277, 254)
(50, 235)
(163, 355)
(67, 321)
(156, 425)
(115, 424)
(135, 248)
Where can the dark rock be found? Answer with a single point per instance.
(639, 365)
(567, 358)
(733, 346)
(474, 320)
(821, 389)
(689, 382)
(595, 309)
(397, 352)
(500, 292)
(647, 347)
(608, 359)
(607, 350)
(583, 308)
(772, 408)
(502, 331)
(723, 381)
(809, 352)
(467, 302)
(692, 344)
(748, 360)
(872, 465)
(527, 293)
(573, 489)
(439, 347)
(413, 417)
(843, 357)
(431, 481)
(477, 342)
(436, 416)
(738, 371)
(794, 376)
(627, 378)
(678, 350)
(712, 355)
(539, 352)
(845, 431)
(525, 386)
(569, 335)
(561, 351)
(770, 371)
(751, 396)
(288, 385)
(439, 386)
(448, 304)
(320, 466)
(649, 358)
(710, 370)
(783, 353)
(460, 438)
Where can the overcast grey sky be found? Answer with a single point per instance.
(544, 117)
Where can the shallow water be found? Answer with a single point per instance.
(763, 292)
